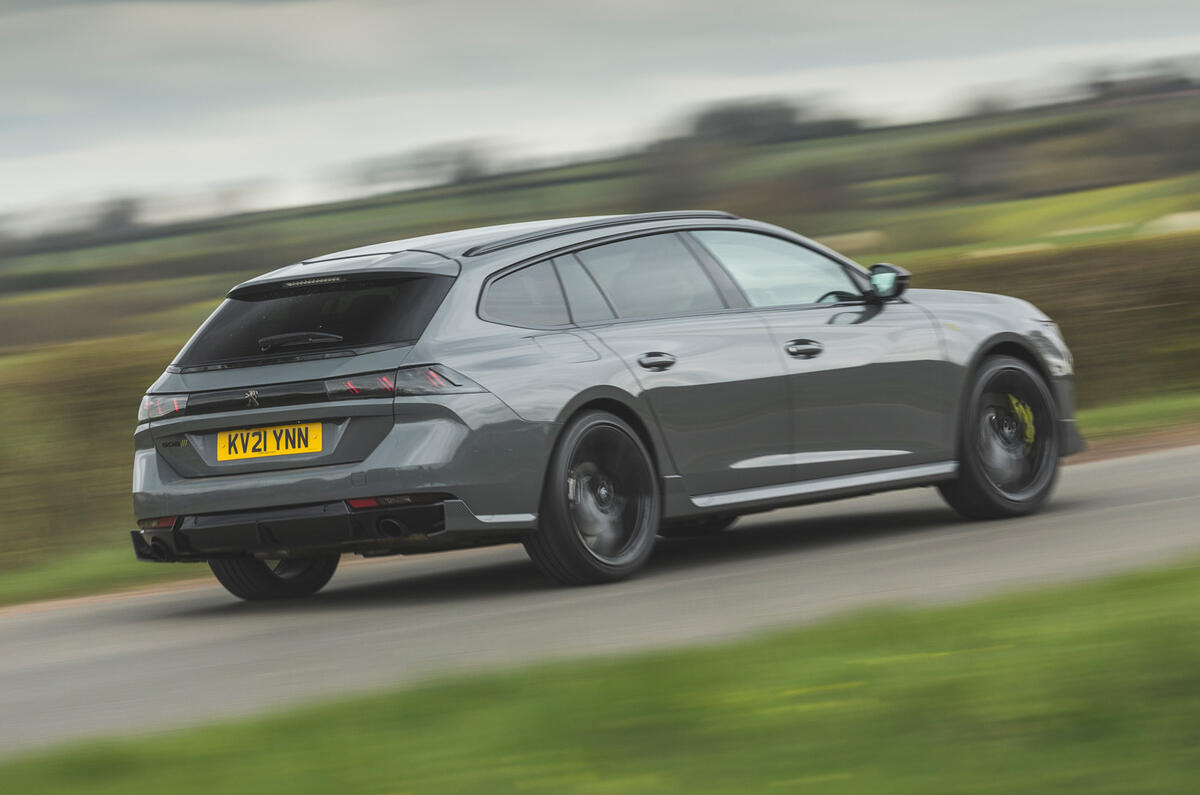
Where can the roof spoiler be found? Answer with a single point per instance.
(369, 268)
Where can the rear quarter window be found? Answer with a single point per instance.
(530, 297)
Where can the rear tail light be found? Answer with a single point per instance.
(433, 379)
(373, 385)
(426, 379)
(160, 523)
(157, 407)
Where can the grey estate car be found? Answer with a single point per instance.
(581, 386)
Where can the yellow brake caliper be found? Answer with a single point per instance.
(1025, 415)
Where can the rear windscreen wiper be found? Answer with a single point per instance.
(293, 338)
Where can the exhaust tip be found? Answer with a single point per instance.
(391, 527)
(159, 551)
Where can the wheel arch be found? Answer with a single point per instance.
(628, 408)
(1014, 345)
(1003, 344)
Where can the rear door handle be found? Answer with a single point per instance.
(656, 360)
(804, 349)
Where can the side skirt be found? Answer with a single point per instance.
(824, 488)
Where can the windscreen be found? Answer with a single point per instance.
(316, 318)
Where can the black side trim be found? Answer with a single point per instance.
(583, 226)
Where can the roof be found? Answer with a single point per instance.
(446, 252)
(487, 239)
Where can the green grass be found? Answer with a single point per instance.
(103, 569)
(1138, 417)
(1091, 689)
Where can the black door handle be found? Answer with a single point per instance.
(656, 360)
(804, 349)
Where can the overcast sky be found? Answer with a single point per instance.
(100, 98)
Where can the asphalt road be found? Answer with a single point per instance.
(153, 661)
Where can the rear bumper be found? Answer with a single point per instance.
(470, 446)
(324, 528)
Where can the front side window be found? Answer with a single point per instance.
(529, 297)
(775, 272)
(651, 276)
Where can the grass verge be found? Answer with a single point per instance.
(100, 570)
(1092, 688)
(1135, 417)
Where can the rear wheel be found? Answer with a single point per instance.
(600, 504)
(1008, 443)
(253, 579)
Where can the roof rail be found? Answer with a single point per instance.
(599, 223)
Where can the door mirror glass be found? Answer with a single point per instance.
(888, 281)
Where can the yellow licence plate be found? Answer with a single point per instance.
(277, 440)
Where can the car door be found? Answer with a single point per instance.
(867, 390)
(709, 371)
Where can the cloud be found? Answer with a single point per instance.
(340, 79)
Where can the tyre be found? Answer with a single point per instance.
(699, 526)
(1008, 443)
(253, 579)
(600, 504)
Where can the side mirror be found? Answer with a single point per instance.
(888, 281)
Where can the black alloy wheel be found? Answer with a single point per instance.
(600, 505)
(286, 578)
(1008, 443)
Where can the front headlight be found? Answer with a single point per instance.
(1050, 344)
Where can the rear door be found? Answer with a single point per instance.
(864, 377)
(291, 375)
(708, 369)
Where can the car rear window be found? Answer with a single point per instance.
(295, 321)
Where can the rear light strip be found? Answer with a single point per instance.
(426, 379)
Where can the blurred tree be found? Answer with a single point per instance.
(449, 163)
(746, 122)
(764, 121)
(117, 215)
(675, 174)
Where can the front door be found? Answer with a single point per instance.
(709, 372)
(864, 377)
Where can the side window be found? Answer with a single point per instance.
(584, 298)
(529, 297)
(775, 272)
(651, 276)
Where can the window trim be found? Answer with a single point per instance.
(856, 272)
(599, 291)
(852, 273)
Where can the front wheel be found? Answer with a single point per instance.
(253, 579)
(600, 504)
(1008, 443)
